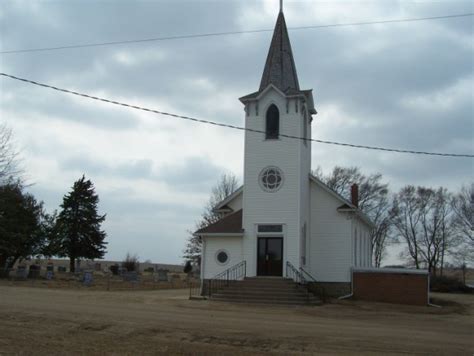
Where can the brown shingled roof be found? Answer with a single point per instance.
(230, 224)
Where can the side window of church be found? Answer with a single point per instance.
(355, 248)
(305, 128)
(272, 129)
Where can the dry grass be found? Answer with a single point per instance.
(100, 282)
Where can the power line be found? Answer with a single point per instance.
(233, 126)
(215, 34)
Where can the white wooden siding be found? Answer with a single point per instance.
(284, 206)
(233, 246)
(236, 203)
(361, 244)
(331, 238)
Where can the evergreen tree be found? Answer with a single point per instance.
(78, 232)
(21, 225)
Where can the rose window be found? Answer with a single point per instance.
(271, 179)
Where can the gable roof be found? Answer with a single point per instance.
(228, 199)
(230, 224)
(346, 206)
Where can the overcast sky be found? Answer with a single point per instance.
(404, 85)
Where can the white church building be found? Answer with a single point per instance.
(283, 215)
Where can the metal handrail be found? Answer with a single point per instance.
(316, 289)
(303, 271)
(294, 274)
(227, 277)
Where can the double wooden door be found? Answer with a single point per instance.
(270, 256)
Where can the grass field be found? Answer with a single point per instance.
(41, 321)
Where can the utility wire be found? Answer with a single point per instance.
(232, 126)
(215, 34)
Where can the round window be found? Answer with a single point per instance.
(271, 179)
(222, 257)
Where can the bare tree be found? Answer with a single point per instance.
(373, 201)
(405, 218)
(131, 262)
(226, 185)
(423, 220)
(463, 224)
(9, 161)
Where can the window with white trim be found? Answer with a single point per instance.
(271, 179)
(303, 245)
(222, 257)
(355, 247)
(272, 120)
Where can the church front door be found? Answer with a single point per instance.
(270, 256)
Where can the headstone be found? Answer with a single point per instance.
(34, 271)
(87, 278)
(163, 275)
(130, 276)
(21, 272)
(49, 275)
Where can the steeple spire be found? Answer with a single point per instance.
(280, 69)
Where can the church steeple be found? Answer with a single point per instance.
(280, 69)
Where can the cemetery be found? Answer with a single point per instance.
(103, 275)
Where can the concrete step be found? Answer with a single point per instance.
(312, 301)
(262, 288)
(262, 297)
(265, 291)
(260, 292)
(264, 283)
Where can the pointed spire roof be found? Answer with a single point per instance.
(280, 69)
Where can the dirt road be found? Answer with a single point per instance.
(46, 321)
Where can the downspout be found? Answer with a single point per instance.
(430, 304)
(203, 258)
(352, 287)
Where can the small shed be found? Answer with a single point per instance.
(391, 285)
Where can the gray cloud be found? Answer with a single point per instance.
(406, 85)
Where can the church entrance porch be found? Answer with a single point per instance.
(270, 256)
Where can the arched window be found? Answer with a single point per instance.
(272, 123)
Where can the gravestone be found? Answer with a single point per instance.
(130, 276)
(163, 275)
(21, 272)
(49, 271)
(34, 271)
(87, 278)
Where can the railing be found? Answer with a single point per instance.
(302, 277)
(307, 276)
(294, 274)
(195, 289)
(227, 277)
(314, 287)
